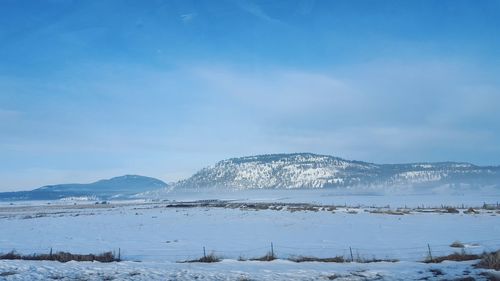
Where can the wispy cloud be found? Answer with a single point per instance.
(257, 11)
(277, 91)
(413, 110)
(188, 18)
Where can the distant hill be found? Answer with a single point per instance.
(118, 187)
(285, 171)
(307, 170)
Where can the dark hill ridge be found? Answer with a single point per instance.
(122, 186)
(307, 170)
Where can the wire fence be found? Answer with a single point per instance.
(283, 251)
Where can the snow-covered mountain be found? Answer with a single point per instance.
(109, 188)
(283, 171)
(306, 170)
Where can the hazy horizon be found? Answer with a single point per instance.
(97, 89)
(180, 179)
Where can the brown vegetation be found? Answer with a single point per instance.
(457, 244)
(267, 257)
(61, 257)
(338, 259)
(453, 257)
(490, 261)
(205, 259)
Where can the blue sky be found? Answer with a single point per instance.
(95, 89)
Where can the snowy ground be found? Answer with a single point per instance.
(333, 197)
(157, 236)
(238, 271)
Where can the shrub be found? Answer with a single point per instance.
(453, 257)
(12, 255)
(451, 210)
(389, 212)
(471, 211)
(337, 259)
(490, 261)
(206, 259)
(362, 260)
(61, 257)
(457, 244)
(267, 257)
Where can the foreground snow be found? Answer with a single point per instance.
(153, 236)
(235, 270)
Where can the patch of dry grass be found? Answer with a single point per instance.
(457, 244)
(61, 257)
(267, 257)
(338, 259)
(211, 258)
(454, 257)
(490, 261)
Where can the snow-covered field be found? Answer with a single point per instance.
(240, 271)
(352, 198)
(152, 238)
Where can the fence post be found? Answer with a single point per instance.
(272, 250)
(204, 253)
(352, 258)
(430, 253)
(50, 254)
(119, 254)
